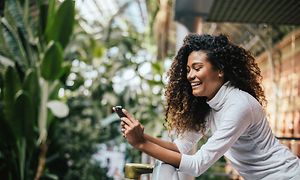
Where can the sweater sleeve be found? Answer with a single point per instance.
(232, 125)
(187, 141)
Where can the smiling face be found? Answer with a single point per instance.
(204, 79)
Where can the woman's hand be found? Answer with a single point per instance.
(132, 130)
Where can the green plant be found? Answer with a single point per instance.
(31, 56)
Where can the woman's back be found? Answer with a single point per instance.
(256, 153)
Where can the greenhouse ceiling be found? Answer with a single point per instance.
(254, 24)
(283, 12)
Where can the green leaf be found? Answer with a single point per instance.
(53, 91)
(1, 89)
(66, 69)
(47, 15)
(98, 51)
(17, 23)
(43, 17)
(13, 8)
(157, 67)
(62, 26)
(6, 134)
(23, 120)
(11, 86)
(26, 47)
(13, 44)
(51, 12)
(1, 8)
(4, 61)
(153, 82)
(2, 42)
(31, 86)
(31, 83)
(52, 63)
(23, 128)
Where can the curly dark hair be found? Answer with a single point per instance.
(184, 111)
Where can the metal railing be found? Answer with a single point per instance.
(135, 170)
(160, 170)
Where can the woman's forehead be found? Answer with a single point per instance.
(197, 57)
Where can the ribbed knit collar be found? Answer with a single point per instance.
(216, 103)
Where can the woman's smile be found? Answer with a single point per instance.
(196, 84)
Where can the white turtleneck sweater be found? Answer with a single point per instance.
(241, 132)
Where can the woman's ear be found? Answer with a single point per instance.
(221, 74)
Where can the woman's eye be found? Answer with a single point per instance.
(197, 68)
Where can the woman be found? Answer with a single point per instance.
(215, 85)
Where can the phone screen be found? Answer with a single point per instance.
(118, 110)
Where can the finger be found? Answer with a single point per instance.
(126, 133)
(122, 130)
(129, 116)
(122, 123)
(127, 121)
(134, 125)
(137, 123)
(126, 127)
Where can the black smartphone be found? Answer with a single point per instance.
(118, 110)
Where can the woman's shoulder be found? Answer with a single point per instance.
(241, 97)
(243, 101)
(239, 102)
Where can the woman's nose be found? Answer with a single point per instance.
(190, 75)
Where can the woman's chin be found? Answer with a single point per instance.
(197, 93)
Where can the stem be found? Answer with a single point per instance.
(42, 122)
(42, 161)
(43, 113)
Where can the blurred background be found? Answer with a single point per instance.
(65, 64)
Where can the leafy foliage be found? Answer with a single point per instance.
(43, 57)
(27, 85)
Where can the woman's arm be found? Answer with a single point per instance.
(168, 156)
(133, 131)
(166, 144)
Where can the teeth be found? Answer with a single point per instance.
(195, 84)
